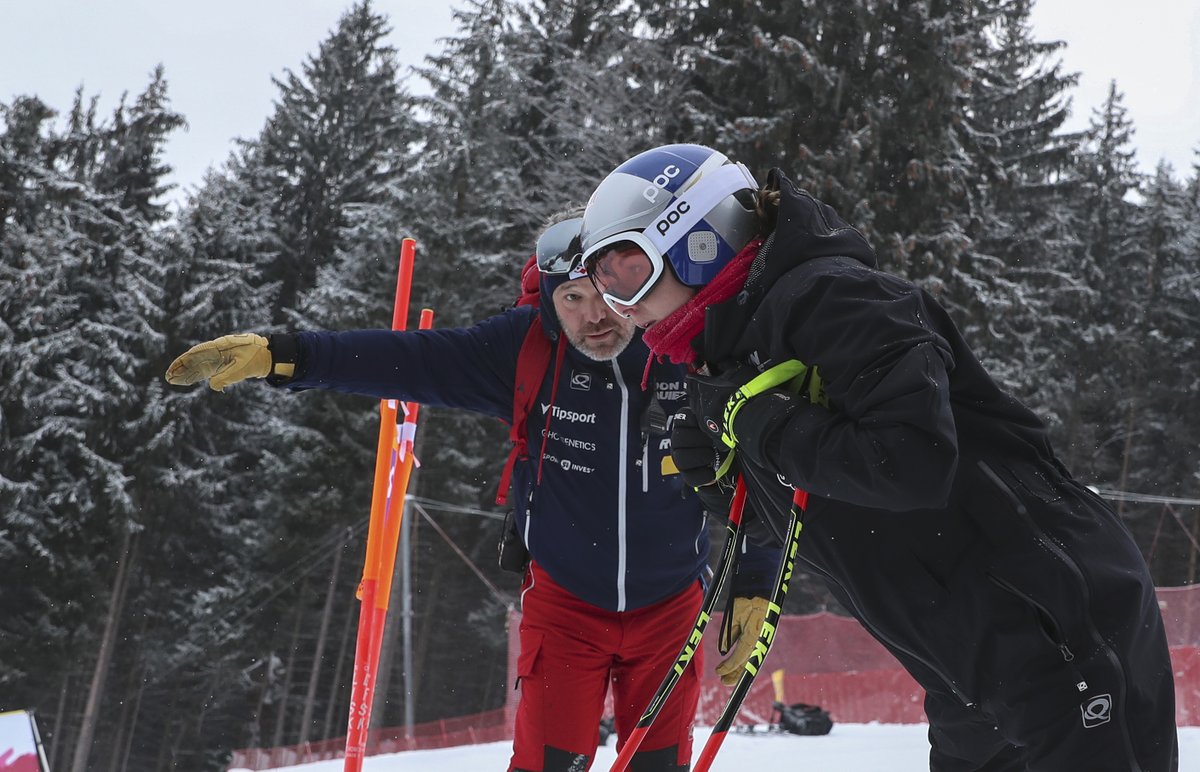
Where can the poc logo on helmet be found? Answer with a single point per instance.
(660, 182)
(671, 216)
(1097, 711)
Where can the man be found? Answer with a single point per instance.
(618, 554)
(937, 512)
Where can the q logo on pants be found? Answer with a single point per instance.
(1097, 711)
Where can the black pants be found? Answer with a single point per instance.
(968, 740)
(1104, 703)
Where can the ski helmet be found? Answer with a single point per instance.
(688, 205)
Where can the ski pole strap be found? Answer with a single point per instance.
(784, 372)
(767, 379)
(726, 465)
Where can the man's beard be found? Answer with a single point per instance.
(605, 352)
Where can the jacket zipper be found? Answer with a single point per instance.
(1054, 634)
(1096, 638)
(646, 465)
(622, 486)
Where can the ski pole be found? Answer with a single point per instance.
(765, 638)
(733, 528)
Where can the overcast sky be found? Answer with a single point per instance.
(220, 56)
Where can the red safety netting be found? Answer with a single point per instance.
(1180, 608)
(828, 660)
(490, 726)
(832, 661)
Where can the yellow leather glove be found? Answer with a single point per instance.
(743, 626)
(226, 360)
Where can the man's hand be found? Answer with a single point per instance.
(226, 360)
(743, 626)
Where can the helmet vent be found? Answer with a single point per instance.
(702, 246)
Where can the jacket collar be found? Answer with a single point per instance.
(804, 229)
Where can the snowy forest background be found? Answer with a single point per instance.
(177, 567)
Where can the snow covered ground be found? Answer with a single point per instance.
(848, 748)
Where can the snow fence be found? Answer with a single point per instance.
(828, 660)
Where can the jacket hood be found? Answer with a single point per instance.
(805, 229)
(546, 285)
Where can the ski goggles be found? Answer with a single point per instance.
(624, 267)
(557, 249)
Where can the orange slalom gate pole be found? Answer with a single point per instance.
(404, 438)
(394, 445)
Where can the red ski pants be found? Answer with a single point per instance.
(571, 651)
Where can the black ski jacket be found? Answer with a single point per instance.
(938, 513)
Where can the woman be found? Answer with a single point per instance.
(938, 514)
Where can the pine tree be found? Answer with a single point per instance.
(212, 466)
(528, 107)
(118, 343)
(867, 106)
(30, 280)
(335, 149)
(582, 103)
(266, 474)
(1155, 372)
(1111, 256)
(340, 130)
(766, 83)
(1023, 263)
(92, 296)
(464, 200)
(321, 179)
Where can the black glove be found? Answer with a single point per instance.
(710, 400)
(719, 403)
(696, 455)
(699, 460)
(760, 424)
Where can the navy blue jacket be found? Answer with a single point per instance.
(604, 522)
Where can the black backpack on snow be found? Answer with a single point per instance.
(801, 718)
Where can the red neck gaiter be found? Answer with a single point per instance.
(671, 338)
